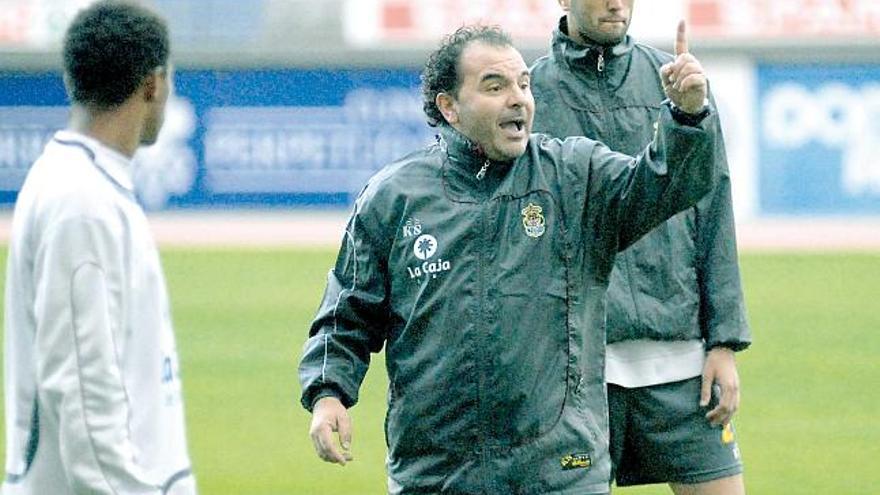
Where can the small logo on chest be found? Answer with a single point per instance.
(424, 248)
(533, 220)
(412, 227)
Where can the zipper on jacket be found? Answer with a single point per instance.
(482, 324)
(483, 170)
(600, 61)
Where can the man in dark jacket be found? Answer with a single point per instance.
(675, 305)
(480, 263)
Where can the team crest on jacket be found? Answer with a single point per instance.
(533, 220)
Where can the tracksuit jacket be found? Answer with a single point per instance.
(682, 280)
(93, 391)
(488, 296)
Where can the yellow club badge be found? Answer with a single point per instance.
(576, 461)
(533, 220)
(727, 434)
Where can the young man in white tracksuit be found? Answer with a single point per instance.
(93, 394)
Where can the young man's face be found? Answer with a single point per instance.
(604, 22)
(494, 106)
(156, 106)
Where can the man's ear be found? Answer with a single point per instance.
(150, 87)
(151, 84)
(565, 4)
(446, 104)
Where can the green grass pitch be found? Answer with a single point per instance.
(810, 384)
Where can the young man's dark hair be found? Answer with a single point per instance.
(441, 70)
(109, 49)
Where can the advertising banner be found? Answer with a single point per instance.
(819, 139)
(261, 137)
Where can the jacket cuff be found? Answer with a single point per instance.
(689, 119)
(309, 400)
(735, 346)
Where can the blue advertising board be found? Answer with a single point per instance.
(243, 137)
(819, 144)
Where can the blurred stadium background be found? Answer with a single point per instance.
(283, 108)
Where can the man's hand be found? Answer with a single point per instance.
(329, 416)
(684, 80)
(720, 368)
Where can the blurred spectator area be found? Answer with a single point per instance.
(365, 33)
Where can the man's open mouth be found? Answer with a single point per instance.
(513, 125)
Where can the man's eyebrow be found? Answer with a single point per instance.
(492, 76)
(497, 76)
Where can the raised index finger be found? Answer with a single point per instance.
(681, 42)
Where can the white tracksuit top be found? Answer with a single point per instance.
(93, 396)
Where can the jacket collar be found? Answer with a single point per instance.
(465, 153)
(114, 165)
(574, 54)
(464, 161)
(459, 148)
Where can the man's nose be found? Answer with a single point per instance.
(517, 97)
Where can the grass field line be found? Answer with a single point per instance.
(323, 228)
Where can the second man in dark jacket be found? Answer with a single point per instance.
(675, 306)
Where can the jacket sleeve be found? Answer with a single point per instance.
(670, 175)
(351, 320)
(722, 306)
(79, 341)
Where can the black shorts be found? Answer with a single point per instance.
(660, 434)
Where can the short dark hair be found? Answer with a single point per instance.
(109, 48)
(441, 70)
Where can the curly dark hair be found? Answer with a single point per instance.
(441, 70)
(109, 48)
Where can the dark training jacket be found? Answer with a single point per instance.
(682, 280)
(488, 296)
